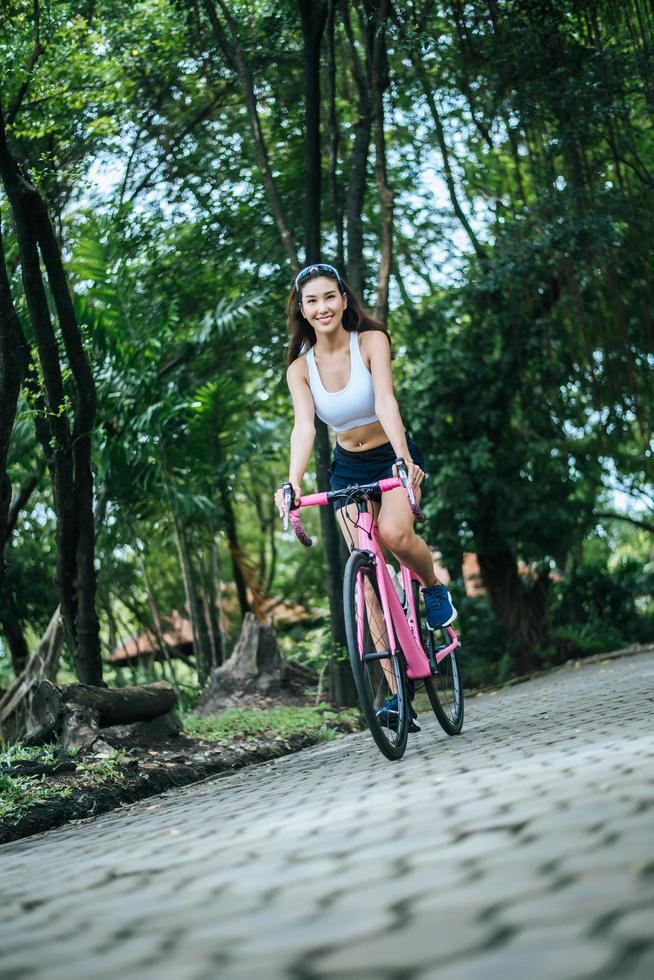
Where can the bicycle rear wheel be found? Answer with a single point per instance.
(444, 687)
(379, 677)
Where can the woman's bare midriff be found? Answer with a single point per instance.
(362, 437)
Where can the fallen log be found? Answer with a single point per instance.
(113, 706)
(79, 710)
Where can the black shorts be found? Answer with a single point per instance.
(368, 466)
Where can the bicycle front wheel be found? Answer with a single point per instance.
(379, 677)
(444, 688)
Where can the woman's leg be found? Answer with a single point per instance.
(347, 518)
(396, 530)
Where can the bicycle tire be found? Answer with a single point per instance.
(444, 688)
(375, 676)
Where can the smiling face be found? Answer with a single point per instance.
(323, 304)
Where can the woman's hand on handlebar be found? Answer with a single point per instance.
(414, 473)
(279, 497)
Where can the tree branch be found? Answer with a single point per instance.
(199, 117)
(609, 515)
(19, 502)
(235, 55)
(447, 170)
(37, 51)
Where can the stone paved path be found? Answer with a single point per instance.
(522, 849)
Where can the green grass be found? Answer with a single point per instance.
(18, 794)
(100, 771)
(236, 724)
(17, 753)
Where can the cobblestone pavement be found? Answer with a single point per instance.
(522, 848)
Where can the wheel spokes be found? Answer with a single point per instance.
(378, 667)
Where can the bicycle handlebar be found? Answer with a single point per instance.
(321, 499)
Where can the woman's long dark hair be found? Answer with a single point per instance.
(300, 331)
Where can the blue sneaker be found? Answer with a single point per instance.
(388, 715)
(440, 611)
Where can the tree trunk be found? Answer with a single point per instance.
(253, 671)
(198, 625)
(445, 154)
(313, 23)
(206, 599)
(69, 452)
(19, 502)
(119, 706)
(87, 628)
(13, 633)
(112, 641)
(334, 137)
(519, 606)
(359, 160)
(14, 354)
(218, 609)
(341, 686)
(201, 649)
(234, 547)
(58, 434)
(312, 14)
(154, 612)
(211, 632)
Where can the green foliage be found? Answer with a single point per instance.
(238, 724)
(598, 608)
(484, 656)
(310, 647)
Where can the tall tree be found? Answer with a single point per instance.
(71, 445)
(313, 17)
(230, 44)
(14, 355)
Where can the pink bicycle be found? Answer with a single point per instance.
(392, 650)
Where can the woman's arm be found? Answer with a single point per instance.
(304, 428)
(386, 407)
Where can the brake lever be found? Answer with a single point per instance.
(288, 500)
(403, 474)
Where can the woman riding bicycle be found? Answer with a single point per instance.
(339, 368)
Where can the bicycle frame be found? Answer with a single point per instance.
(401, 627)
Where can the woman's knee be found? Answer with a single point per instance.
(398, 538)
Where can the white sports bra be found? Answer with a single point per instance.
(355, 403)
